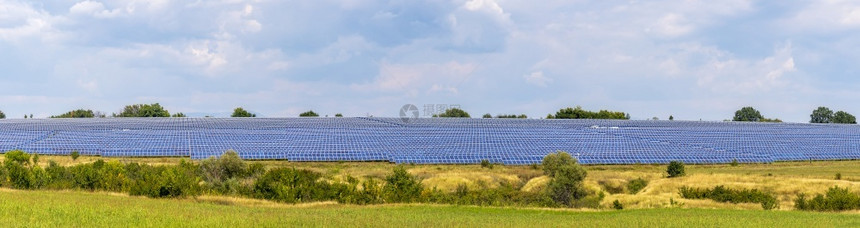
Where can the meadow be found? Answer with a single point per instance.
(95, 209)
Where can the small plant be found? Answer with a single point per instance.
(675, 169)
(838, 176)
(617, 205)
(486, 164)
(75, 154)
(636, 185)
(734, 163)
(36, 159)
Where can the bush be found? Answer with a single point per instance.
(835, 199)
(727, 195)
(734, 162)
(310, 113)
(19, 176)
(164, 181)
(636, 185)
(675, 169)
(565, 187)
(75, 154)
(838, 176)
(617, 205)
(486, 164)
(18, 156)
(402, 187)
(293, 186)
(217, 171)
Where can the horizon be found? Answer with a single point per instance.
(692, 60)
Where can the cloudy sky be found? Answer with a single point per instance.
(691, 59)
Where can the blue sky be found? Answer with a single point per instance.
(691, 59)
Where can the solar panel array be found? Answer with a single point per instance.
(435, 140)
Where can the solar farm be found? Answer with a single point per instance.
(435, 140)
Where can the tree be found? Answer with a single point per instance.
(675, 169)
(842, 117)
(80, 113)
(310, 113)
(565, 186)
(143, 110)
(455, 112)
(821, 115)
(521, 116)
(487, 116)
(2, 115)
(179, 115)
(338, 115)
(671, 117)
(579, 113)
(747, 114)
(241, 112)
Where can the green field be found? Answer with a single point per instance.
(83, 209)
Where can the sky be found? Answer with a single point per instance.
(689, 59)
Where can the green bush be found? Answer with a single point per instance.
(636, 185)
(486, 164)
(675, 169)
(734, 163)
(402, 187)
(75, 154)
(295, 186)
(565, 186)
(726, 195)
(19, 176)
(838, 176)
(165, 181)
(224, 174)
(18, 156)
(617, 205)
(835, 199)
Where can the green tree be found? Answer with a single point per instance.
(402, 187)
(338, 115)
(143, 110)
(241, 112)
(675, 169)
(80, 113)
(579, 113)
(487, 116)
(2, 115)
(821, 115)
(842, 117)
(671, 117)
(310, 113)
(455, 112)
(747, 114)
(179, 115)
(565, 186)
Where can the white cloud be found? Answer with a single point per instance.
(413, 78)
(537, 78)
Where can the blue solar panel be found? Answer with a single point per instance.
(435, 140)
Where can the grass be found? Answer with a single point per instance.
(84, 209)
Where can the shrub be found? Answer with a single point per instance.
(611, 187)
(486, 164)
(75, 154)
(292, 186)
(675, 169)
(310, 113)
(217, 171)
(835, 199)
(636, 185)
(723, 194)
(164, 181)
(18, 156)
(734, 162)
(35, 159)
(19, 176)
(401, 187)
(838, 176)
(565, 187)
(617, 205)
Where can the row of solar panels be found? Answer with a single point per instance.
(435, 140)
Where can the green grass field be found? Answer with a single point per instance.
(83, 209)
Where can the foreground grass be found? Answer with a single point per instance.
(83, 209)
